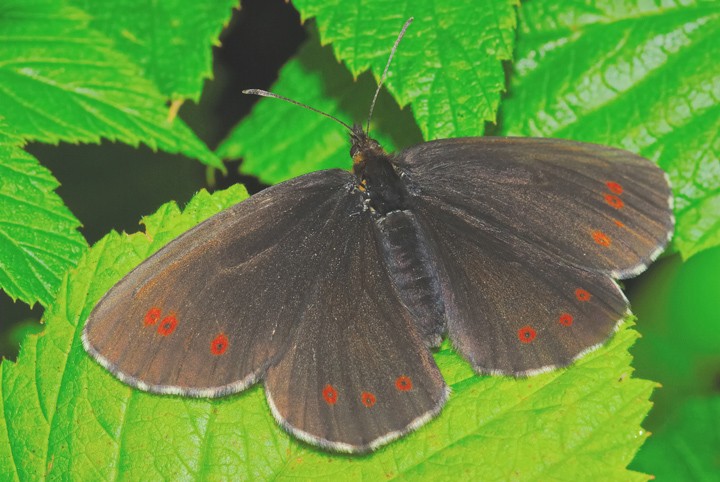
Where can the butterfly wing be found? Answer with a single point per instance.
(595, 207)
(288, 286)
(511, 308)
(527, 285)
(207, 313)
(357, 373)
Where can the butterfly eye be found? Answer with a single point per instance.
(566, 319)
(330, 394)
(615, 187)
(152, 316)
(582, 295)
(526, 334)
(368, 399)
(601, 238)
(219, 344)
(167, 325)
(403, 384)
(614, 201)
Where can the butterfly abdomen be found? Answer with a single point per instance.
(411, 266)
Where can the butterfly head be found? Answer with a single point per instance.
(363, 147)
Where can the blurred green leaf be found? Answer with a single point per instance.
(156, 34)
(67, 417)
(39, 239)
(688, 448)
(61, 81)
(678, 305)
(641, 76)
(680, 347)
(280, 140)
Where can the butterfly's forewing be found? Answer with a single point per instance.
(593, 206)
(529, 234)
(289, 281)
(207, 313)
(365, 373)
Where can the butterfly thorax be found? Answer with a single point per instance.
(380, 184)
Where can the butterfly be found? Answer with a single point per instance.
(332, 288)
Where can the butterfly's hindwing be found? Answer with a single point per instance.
(365, 373)
(512, 308)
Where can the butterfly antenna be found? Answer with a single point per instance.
(387, 66)
(265, 93)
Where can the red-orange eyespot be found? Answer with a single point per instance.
(167, 325)
(403, 384)
(219, 344)
(601, 238)
(152, 316)
(615, 187)
(582, 295)
(614, 201)
(368, 399)
(566, 319)
(330, 394)
(526, 334)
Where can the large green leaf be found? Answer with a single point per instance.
(65, 416)
(61, 81)
(280, 141)
(156, 34)
(39, 240)
(449, 65)
(641, 76)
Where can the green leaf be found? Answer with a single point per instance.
(39, 240)
(450, 69)
(61, 81)
(680, 342)
(280, 141)
(67, 417)
(679, 349)
(56, 419)
(643, 77)
(688, 448)
(449, 64)
(156, 34)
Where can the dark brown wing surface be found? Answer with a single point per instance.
(596, 207)
(529, 234)
(357, 373)
(287, 286)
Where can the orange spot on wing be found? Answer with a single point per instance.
(403, 384)
(615, 187)
(368, 399)
(330, 394)
(167, 325)
(526, 334)
(219, 344)
(152, 316)
(619, 223)
(566, 319)
(601, 238)
(614, 201)
(582, 295)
